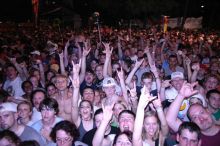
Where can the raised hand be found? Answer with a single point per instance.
(86, 50)
(120, 74)
(133, 91)
(187, 89)
(107, 50)
(187, 61)
(38, 61)
(138, 63)
(157, 102)
(153, 69)
(107, 111)
(13, 60)
(75, 77)
(145, 97)
(196, 67)
(67, 44)
(61, 55)
(166, 83)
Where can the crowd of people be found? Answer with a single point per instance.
(139, 87)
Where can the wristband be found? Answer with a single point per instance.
(159, 109)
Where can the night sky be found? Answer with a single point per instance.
(20, 10)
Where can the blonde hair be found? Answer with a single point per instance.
(151, 114)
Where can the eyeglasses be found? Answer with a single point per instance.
(64, 140)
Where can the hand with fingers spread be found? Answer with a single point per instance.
(165, 83)
(86, 50)
(75, 77)
(196, 67)
(38, 61)
(61, 55)
(120, 74)
(187, 89)
(145, 97)
(138, 63)
(67, 44)
(13, 60)
(153, 69)
(147, 49)
(107, 111)
(108, 50)
(133, 91)
(157, 103)
(187, 61)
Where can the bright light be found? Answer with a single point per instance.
(202, 6)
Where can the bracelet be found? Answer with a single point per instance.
(159, 109)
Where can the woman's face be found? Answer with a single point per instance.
(117, 109)
(63, 138)
(50, 75)
(123, 140)
(211, 83)
(85, 110)
(51, 90)
(151, 126)
(34, 81)
(6, 142)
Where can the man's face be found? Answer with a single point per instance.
(6, 142)
(177, 83)
(172, 61)
(98, 119)
(7, 119)
(11, 73)
(109, 91)
(211, 83)
(214, 101)
(28, 88)
(99, 72)
(48, 114)
(201, 117)
(88, 94)
(24, 111)
(147, 82)
(126, 122)
(187, 138)
(61, 83)
(89, 77)
(38, 97)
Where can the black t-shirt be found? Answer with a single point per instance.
(88, 137)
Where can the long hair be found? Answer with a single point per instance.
(156, 134)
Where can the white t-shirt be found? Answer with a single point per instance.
(170, 95)
(36, 116)
(14, 87)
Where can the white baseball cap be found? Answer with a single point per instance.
(177, 75)
(8, 106)
(108, 82)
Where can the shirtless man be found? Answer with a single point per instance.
(63, 97)
(109, 87)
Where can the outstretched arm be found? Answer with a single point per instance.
(107, 64)
(131, 74)
(86, 50)
(42, 76)
(159, 109)
(98, 139)
(122, 83)
(62, 67)
(196, 68)
(75, 98)
(145, 98)
(171, 116)
(21, 69)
